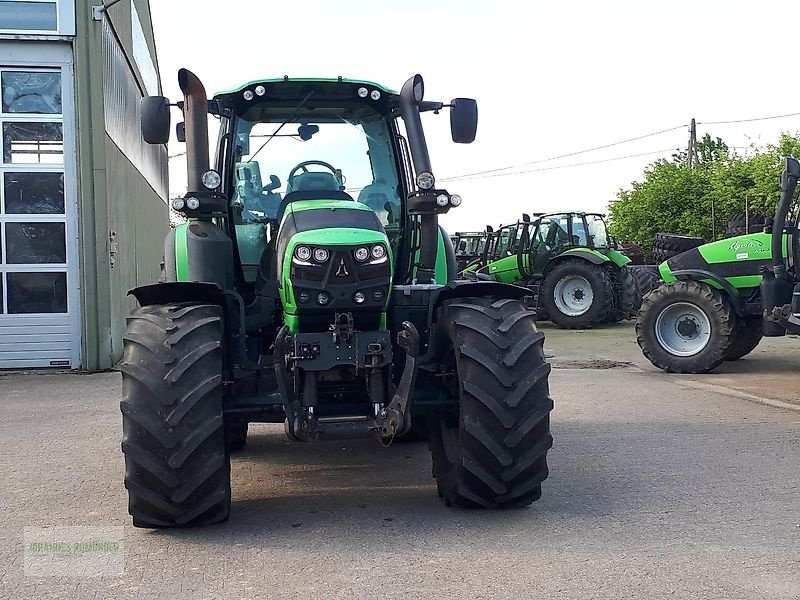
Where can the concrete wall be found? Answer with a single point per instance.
(124, 215)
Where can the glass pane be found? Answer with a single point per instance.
(34, 193)
(33, 143)
(35, 243)
(39, 16)
(37, 293)
(31, 92)
(2, 308)
(578, 232)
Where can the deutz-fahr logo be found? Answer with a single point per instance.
(757, 245)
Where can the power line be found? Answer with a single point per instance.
(567, 155)
(582, 164)
(749, 120)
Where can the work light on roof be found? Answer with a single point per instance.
(248, 95)
(375, 95)
(363, 92)
(260, 90)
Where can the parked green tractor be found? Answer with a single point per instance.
(569, 261)
(337, 315)
(720, 299)
(469, 247)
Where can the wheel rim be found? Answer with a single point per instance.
(573, 295)
(683, 329)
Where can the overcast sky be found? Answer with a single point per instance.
(550, 78)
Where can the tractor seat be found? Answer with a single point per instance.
(314, 181)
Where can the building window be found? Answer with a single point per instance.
(28, 15)
(33, 222)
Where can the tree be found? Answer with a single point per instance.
(674, 198)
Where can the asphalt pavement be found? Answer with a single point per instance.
(657, 490)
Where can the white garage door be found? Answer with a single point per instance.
(38, 272)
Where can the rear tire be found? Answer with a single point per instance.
(567, 286)
(493, 453)
(686, 327)
(647, 277)
(667, 245)
(627, 297)
(749, 331)
(177, 469)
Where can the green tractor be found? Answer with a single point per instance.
(469, 247)
(326, 301)
(718, 300)
(570, 262)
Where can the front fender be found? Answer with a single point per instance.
(178, 291)
(593, 256)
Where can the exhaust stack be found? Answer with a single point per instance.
(195, 111)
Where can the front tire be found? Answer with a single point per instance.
(577, 294)
(493, 452)
(177, 469)
(686, 327)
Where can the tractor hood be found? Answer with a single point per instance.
(738, 259)
(333, 257)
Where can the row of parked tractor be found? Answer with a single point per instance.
(696, 304)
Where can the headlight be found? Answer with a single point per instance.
(359, 297)
(455, 200)
(361, 254)
(192, 203)
(442, 199)
(363, 92)
(211, 179)
(302, 253)
(248, 95)
(178, 203)
(425, 180)
(378, 251)
(323, 299)
(260, 90)
(320, 255)
(375, 95)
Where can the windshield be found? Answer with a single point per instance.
(597, 231)
(335, 155)
(328, 155)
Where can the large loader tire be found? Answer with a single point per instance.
(493, 452)
(577, 294)
(741, 224)
(749, 331)
(627, 297)
(177, 469)
(667, 245)
(686, 327)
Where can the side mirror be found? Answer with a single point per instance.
(155, 119)
(180, 131)
(463, 120)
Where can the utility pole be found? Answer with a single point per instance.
(691, 153)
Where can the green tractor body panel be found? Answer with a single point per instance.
(738, 260)
(340, 276)
(505, 270)
(182, 252)
(441, 275)
(617, 257)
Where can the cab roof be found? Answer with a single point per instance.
(322, 80)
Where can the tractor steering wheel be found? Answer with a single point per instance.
(302, 167)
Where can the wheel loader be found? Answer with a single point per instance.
(325, 299)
